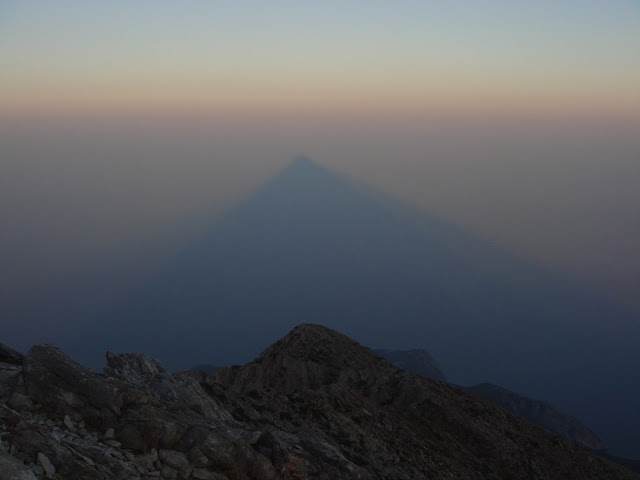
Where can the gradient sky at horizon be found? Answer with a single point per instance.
(516, 120)
(494, 57)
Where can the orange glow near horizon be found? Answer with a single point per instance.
(574, 59)
(312, 100)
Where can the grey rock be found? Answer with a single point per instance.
(109, 434)
(202, 474)
(136, 369)
(45, 463)
(9, 374)
(131, 438)
(72, 456)
(147, 462)
(168, 472)
(65, 387)
(150, 376)
(185, 471)
(69, 423)
(173, 458)
(13, 469)
(153, 455)
(20, 402)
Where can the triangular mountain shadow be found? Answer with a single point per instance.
(314, 246)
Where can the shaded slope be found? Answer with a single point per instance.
(540, 413)
(420, 362)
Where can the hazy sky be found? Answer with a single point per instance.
(569, 57)
(517, 120)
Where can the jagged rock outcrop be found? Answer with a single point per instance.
(149, 376)
(64, 387)
(135, 421)
(416, 361)
(313, 405)
(540, 413)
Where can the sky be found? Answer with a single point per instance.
(571, 57)
(519, 121)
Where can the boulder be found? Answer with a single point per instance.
(64, 387)
(45, 463)
(19, 402)
(13, 469)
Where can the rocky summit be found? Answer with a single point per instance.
(316, 404)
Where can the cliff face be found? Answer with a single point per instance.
(313, 405)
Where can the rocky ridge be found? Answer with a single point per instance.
(313, 405)
(416, 361)
(541, 413)
(420, 362)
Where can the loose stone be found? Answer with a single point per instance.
(45, 463)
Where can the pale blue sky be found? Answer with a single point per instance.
(503, 55)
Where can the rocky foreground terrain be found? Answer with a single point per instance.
(313, 405)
